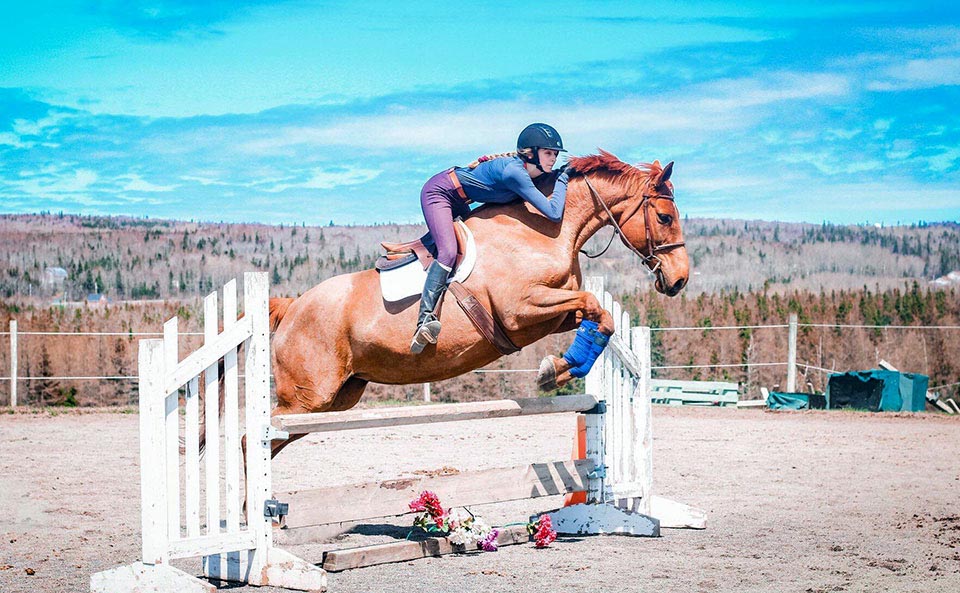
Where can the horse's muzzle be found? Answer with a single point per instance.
(670, 290)
(676, 287)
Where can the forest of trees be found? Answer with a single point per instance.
(743, 273)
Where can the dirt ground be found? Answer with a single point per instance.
(801, 501)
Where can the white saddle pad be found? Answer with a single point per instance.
(408, 280)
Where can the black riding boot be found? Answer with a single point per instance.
(428, 326)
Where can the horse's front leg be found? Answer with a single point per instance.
(543, 303)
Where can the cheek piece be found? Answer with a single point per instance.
(585, 349)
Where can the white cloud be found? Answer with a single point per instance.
(829, 163)
(59, 184)
(934, 39)
(26, 127)
(329, 179)
(137, 183)
(714, 106)
(947, 158)
(204, 180)
(919, 74)
(819, 199)
(842, 134)
(722, 183)
(11, 139)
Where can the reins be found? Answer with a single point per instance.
(653, 249)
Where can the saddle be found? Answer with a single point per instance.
(423, 249)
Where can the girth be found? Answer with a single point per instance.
(488, 325)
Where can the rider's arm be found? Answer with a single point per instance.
(518, 180)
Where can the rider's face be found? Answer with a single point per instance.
(548, 157)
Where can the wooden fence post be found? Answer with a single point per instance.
(13, 363)
(792, 355)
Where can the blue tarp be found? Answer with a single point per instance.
(878, 390)
(777, 400)
(788, 401)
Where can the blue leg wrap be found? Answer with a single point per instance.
(585, 349)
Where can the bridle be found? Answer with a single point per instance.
(652, 250)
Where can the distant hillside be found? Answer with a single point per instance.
(743, 273)
(149, 259)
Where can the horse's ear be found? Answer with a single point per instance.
(664, 175)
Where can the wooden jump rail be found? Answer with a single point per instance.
(400, 416)
(616, 475)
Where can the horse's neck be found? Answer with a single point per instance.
(584, 216)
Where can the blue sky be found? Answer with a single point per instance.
(295, 111)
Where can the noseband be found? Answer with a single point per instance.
(652, 250)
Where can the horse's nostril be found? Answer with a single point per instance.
(678, 285)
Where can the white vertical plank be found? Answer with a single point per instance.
(626, 333)
(153, 491)
(610, 363)
(257, 394)
(627, 381)
(616, 313)
(595, 451)
(231, 414)
(643, 429)
(628, 419)
(212, 419)
(191, 433)
(625, 418)
(615, 423)
(610, 436)
(172, 423)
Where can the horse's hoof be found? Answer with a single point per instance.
(547, 376)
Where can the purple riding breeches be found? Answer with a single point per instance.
(441, 204)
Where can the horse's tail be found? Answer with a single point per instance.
(278, 308)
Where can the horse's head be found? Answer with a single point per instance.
(641, 204)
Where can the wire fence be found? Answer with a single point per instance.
(34, 377)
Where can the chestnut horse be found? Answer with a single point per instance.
(340, 335)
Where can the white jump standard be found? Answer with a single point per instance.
(230, 551)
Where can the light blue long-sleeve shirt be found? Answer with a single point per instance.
(505, 179)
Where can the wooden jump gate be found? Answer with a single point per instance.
(616, 474)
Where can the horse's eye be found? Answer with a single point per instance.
(664, 218)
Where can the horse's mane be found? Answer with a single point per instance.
(607, 163)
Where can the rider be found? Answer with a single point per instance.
(498, 179)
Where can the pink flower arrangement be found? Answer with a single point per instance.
(467, 531)
(543, 533)
(428, 504)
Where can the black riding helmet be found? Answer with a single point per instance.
(537, 136)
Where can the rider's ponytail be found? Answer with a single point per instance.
(490, 157)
